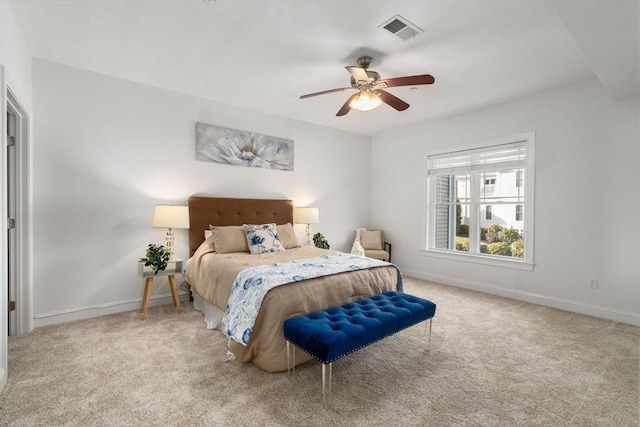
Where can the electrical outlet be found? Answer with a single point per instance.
(592, 283)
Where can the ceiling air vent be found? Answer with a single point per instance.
(401, 28)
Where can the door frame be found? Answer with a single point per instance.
(23, 227)
(23, 287)
(3, 239)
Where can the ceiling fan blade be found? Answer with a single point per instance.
(360, 74)
(392, 100)
(340, 89)
(423, 79)
(346, 108)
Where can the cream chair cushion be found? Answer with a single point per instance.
(377, 254)
(371, 240)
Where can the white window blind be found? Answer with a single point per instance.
(497, 157)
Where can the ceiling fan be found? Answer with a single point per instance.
(370, 88)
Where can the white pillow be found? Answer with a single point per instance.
(262, 238)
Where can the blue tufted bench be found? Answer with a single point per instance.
(330, 334)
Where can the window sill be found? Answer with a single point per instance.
(479, 259)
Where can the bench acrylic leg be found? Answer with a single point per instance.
(324, 376)
(427, 328)
(288, 357)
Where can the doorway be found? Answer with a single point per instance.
(17, 208)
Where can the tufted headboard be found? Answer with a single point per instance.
(205, 211)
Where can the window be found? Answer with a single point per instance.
(487, 213)
(479, 205)
(519, 212)
(489, 184)
(519, 178)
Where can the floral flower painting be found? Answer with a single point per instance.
(236, 147)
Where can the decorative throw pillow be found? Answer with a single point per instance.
(287, 236)
(229, 239)
(208, 239)
(262, 238)
(371, 240)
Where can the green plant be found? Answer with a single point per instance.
(320, 241)
(462, 243)
(517, 249)
(157, 256)
(494, 228)
(510, 235)
(493, 233)
(499, 248)
(483, 234)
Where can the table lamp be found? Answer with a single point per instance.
(307, 216)
(169, 216)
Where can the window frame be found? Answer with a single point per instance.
(519, 179)
(427, 241)
(519, 212)
(490, 187)
(488, 213)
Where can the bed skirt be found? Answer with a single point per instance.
(212, 314)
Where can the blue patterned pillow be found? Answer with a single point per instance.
(262, 238)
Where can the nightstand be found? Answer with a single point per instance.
(173, 267)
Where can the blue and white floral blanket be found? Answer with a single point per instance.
(253, 283)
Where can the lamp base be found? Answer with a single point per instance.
(169, 239)
(308, 235)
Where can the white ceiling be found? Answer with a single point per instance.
(263, 55)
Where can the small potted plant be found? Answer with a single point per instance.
(320, 241)
(157, 257)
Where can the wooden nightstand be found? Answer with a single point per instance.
(173, 267)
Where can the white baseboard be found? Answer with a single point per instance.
(559, 303)
(80, 313)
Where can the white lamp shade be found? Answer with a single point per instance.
(307, 215)
(169, 216)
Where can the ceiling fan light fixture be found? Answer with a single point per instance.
(365, 101)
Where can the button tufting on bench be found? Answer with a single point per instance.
(335, 332)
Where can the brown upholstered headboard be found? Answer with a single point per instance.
(205, 211)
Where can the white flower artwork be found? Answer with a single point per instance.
(240, 148)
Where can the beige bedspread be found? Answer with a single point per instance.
(211, 275)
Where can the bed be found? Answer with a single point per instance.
(212, 271)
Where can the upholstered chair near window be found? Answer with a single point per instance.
(371, 243)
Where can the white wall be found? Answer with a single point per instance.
(587, 199)
(15, 55)
(107, 150)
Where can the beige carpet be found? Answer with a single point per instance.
(493, 362)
